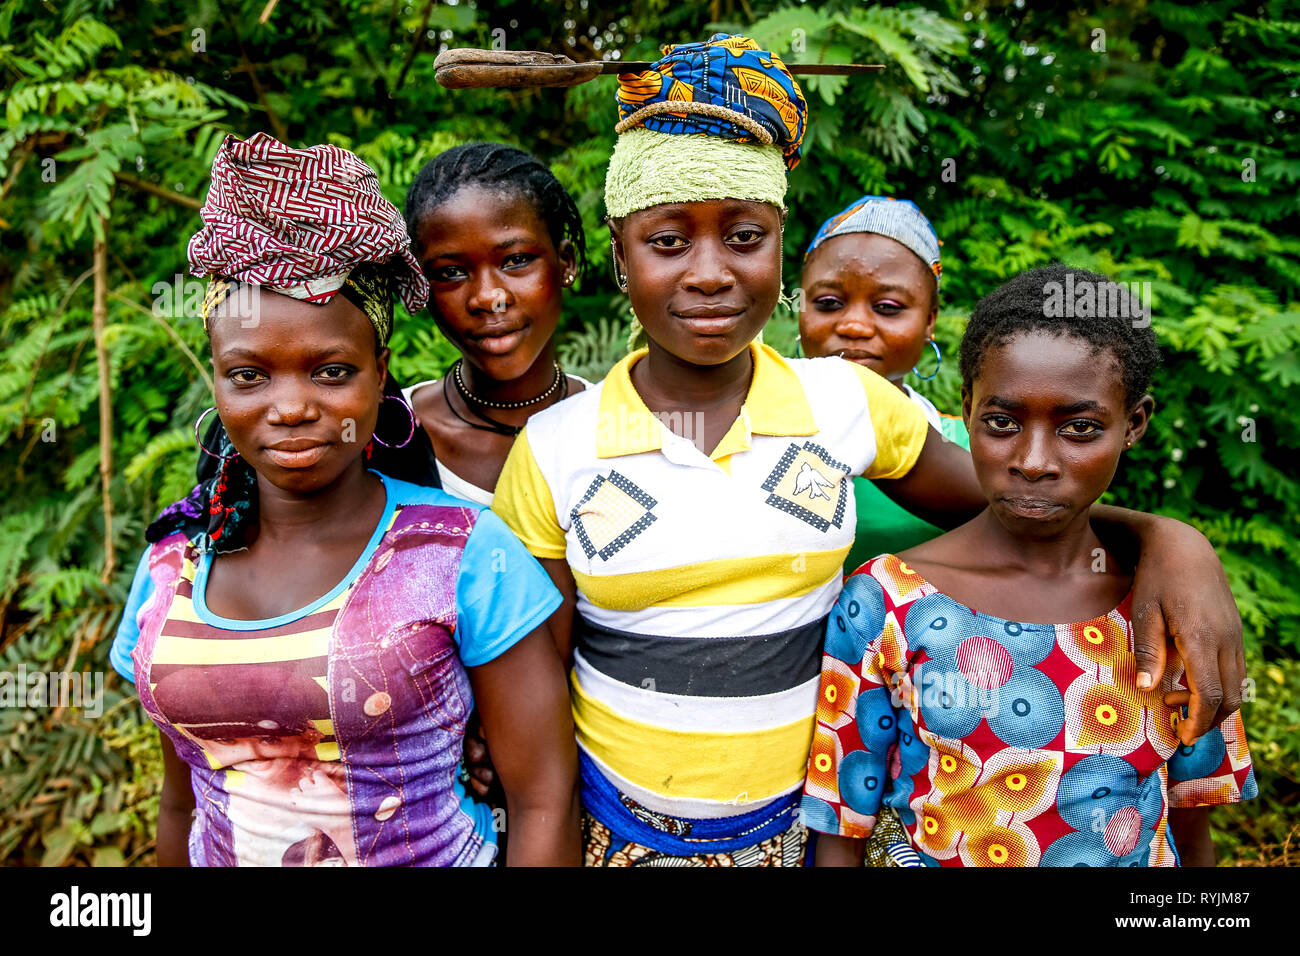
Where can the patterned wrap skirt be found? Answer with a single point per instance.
(602, 847)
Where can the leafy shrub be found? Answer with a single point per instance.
(1153, 142)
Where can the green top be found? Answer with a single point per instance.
(886, 527)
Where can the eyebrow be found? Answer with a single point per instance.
(503, 244)
(1084, 405)
(250, 355)
(829, 282)
(676, 210)
(237, 353)
(1070, 408)
(894, 287)
(832, 282)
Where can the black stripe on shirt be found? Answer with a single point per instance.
(705, 666)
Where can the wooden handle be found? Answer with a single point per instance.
(513, 69)
(473, 69)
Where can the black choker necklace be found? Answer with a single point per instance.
(500, 428)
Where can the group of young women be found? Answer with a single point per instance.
(363, 572)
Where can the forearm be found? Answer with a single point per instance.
(561, 622)
(175, 808)
(174, 835)
(1180, 593)
(544, 832)
(1191, 835)
(941, 488)
(839, 851)
(524, 703)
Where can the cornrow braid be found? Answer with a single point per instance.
(502, 168)
(1032, 302)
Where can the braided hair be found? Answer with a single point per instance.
(503, 169)
(1027, 303)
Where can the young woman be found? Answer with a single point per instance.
(871, 295)
(499, 239)
(703, 567)
(950, 691)
(311, 640)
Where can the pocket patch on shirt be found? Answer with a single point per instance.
(810, 485)
(610, 514)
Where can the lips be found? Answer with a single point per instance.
(499, 341)
(1035, 508)
(709, 312)
(858, 356)
(297, 452)
(710, 320)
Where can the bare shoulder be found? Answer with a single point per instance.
(955, 549)
(426, 399)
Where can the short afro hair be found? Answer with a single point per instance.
(1036, 301)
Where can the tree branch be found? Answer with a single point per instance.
(13, 173)
(161, 191)
(415, 47)
(277, 125)
(36, 371)
(98, 313)
(180, 343)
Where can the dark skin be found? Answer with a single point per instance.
(686, 257)
(1047, 433)
(175, 808)
(285, 398)
(703, 279)
(870, 300)
(496, 280)
(493, 268)
(287, 389)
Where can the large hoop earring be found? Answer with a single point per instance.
(938, 355)
(619, 279)
(411, 434)
(199, 440)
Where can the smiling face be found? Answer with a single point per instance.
(703, 277)
(869, 298)
(495, 278)
(1048, 423)
(299, 390)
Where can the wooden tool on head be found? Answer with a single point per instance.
(515, 69)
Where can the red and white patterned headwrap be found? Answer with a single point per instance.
(299, 220)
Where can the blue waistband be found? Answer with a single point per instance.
(718, 835)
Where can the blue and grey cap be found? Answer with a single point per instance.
(897, 219)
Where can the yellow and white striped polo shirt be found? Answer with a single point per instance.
(704, 579)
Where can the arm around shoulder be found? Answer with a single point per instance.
(1180, 592)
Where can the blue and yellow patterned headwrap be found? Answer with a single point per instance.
(897, 219)
(715, 120)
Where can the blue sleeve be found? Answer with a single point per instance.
(128, 632)
(502, 593)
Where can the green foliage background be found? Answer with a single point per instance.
(1155, 142)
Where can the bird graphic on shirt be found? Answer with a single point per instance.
(812, 481)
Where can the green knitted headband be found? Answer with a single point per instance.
(649, 168)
